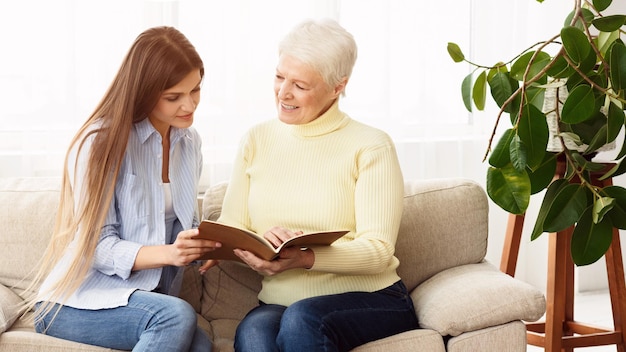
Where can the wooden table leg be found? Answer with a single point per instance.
(512, 239)
(556, 289)
(617, 287)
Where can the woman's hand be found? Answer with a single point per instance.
(290, 258)
(183, 251)
(277, 235)
(188, 247)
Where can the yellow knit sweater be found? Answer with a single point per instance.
(332, 173)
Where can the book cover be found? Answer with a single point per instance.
(232, 237)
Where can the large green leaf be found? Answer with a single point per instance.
(618, 213)
(618, 65)
(560, 68)
(541, 177)
(598, 141)
(518, 68)
(479, 92)
(601, 5)
(588, 16)
(509, 189)
(616, 170)
(500, 155)
(502, 86)
(533, 131)
(601, 207)
(455, 52)
(575, 43)
(589, 64)
(588, 129)
(605, 40)
(548, 199)
(466, 92)
(567, 207)
(610, 126)
(609, 23)
(590, 241)
(535, 95)
(579, 106)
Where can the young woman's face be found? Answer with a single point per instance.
(177, 104)
(300, 91)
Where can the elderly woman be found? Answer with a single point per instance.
(315, 169)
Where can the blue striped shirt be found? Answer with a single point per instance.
(136, 217)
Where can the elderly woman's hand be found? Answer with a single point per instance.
(277, 235)
(290, 258)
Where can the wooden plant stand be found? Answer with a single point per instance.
(561, 332)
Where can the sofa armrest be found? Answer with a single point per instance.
(10, 307)
(472, 297)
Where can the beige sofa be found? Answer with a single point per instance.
(463, 303)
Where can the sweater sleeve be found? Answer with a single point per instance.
(235, 204)
(378, 210)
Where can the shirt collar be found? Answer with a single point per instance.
(145, 129)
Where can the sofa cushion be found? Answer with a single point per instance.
(230, 291)
(212, 201)
(9, 307)
(482, 295)
(444, 225)
(27, 214)
(413, 340)
(509, 337)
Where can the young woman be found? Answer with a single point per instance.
(315, 169)
(127, 216)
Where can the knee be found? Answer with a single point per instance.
(300, 315)
(177, 312)
(249, 335)
(185, 312)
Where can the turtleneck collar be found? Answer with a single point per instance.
(332, 120)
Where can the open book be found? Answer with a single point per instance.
(233, 237)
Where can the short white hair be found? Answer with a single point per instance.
(325, 46)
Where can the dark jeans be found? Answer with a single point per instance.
(338, 322)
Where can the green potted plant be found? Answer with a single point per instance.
(581, 88)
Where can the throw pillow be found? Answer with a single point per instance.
(475, 296)
(9, 308)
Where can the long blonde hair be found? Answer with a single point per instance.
(159, 58)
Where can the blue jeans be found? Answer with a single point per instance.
(150, 322)
(338, 322)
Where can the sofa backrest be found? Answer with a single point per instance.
(444, 225)
(28, 207)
